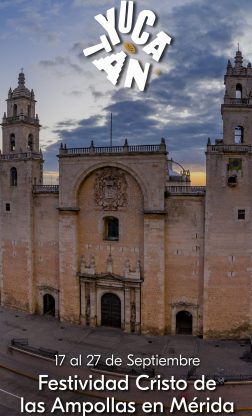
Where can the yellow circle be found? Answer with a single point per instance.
(129, 47)
(158, 72)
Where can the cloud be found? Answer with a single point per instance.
(32, 25)
(183, 103)
(66, 124)
(75, 93)
(96, 94)
(39, 18)
(4, 4)
(86, 3)
(61, 62)
(77, 49)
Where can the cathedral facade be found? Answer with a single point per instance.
(124, 240)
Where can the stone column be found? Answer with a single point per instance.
(127, 309)
(153, 287)
(68, 266)
(56, 297)
(138, 309)
(195, 321)
(250, 309)
(83, 303)
(93, 305)
(173, 320)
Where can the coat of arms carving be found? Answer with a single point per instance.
(110, 189)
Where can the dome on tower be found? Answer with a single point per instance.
(238, 56)
(21, 90)
(177, 173)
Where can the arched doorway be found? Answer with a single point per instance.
(111, 310)
(48, 305)
(184, 323)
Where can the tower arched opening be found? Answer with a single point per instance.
(238, 91)
(12, 142)
(239, 135)
(13, 176)
(30, 142)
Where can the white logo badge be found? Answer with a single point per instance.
(115, 63)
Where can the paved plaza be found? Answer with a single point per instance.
(217, 357)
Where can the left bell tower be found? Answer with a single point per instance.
(21, 167)
(20, 124)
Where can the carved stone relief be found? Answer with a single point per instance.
(110, 189)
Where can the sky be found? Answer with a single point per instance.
(74, 99)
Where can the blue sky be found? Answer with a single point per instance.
(182, 103)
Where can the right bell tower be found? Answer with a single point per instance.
(237, 108)
(228, 215)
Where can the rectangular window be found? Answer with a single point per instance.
(241, 214)
(111, 228)
(7, 207)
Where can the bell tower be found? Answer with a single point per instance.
(20, 124)
(228, 245)
(21, 167)
(237, 108)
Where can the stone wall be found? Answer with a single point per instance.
(228, 249)
(184, 253)
(46, 247)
